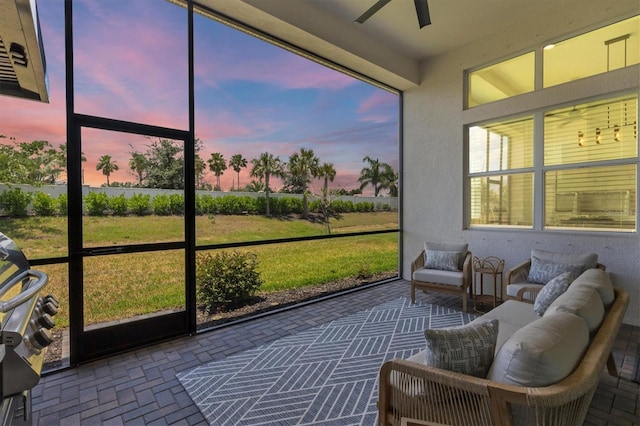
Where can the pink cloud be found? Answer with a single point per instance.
(377, 107)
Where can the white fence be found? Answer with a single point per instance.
(55, 190)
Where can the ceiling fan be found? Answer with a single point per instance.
(422, 10)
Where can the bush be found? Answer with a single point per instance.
(226, 280)
(96, 203)
(205, 204)
(61, 204)
(139, 204)
(14, 202)
(176, 201)
(161, 205)
(43, 204)
(118, 205)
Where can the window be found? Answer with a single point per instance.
(588, 168)
(596, 52)
(505, 79)
(501, 178)
(590, 159)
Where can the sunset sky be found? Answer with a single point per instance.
(251, 97)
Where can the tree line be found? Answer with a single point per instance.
(161, 166)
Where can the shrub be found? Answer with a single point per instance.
(14, 202)
(43, 204)
(292, 205)
(176, 202)
(96, 203)
(61, 204)
(161, 205)
(205, 204)
(139, 204)
(226, 280)
(118, 205)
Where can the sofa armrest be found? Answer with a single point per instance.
(518, 273)
(411, 389)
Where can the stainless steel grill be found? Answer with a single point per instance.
(27, 318)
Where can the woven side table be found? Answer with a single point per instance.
(494, 267)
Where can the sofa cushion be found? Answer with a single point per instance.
(512, 316)
(461, 248)
(582, 301)
(453, 278)
(542, 352)
(600, 281)
(551, 291)
(443, 260)
(542, 271)
(468, 349)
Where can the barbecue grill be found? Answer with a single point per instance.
(26, 320)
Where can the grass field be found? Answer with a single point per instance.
(122, 286)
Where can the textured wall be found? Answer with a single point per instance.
(433, 169)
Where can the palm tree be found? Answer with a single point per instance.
(302, 168)
(390, 179)
(217, 165)
(199, 168)
(328, 173)
(139, 165)
(371, 175)
(237, 163)
(263, 168)
(107, 166)
(254, 186)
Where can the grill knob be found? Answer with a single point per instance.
(41, 338)
(51, 298)
(49, 308)
(46, 321)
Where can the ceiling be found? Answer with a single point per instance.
(391, 39)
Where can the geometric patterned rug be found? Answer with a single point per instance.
(327, 375)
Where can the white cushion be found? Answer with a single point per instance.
(582, 301)
(467, 349)
(600, 281)
(444, 260)
(512, 315)
(453, 278)
(542, 352)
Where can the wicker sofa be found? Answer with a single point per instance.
(411, 389)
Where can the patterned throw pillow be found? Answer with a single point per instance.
(543, 271)
(442, 260)
(468, 349)
(551, 291)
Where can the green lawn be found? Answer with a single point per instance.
(122, 286)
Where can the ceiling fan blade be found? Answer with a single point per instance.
(422, 10)
(373, 9)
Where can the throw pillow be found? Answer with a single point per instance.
(461, 248)
(468, 349)
(551, 291)
(443, 260)
(542, 271)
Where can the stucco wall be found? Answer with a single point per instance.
(433, 169)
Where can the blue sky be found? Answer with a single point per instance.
(251, 97)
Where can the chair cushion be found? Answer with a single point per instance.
(582, 301)
(444, 260)
(542, 271)
(467, 349)
(600, 281)
(542, 352)
(461, 248)
(589, 260)
(512, 315)
(551, 291)
(438, 276)
(513, 289)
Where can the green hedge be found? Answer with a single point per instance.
(15, 202)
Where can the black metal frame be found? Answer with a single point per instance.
(86, 345)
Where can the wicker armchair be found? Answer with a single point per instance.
(448, 282)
